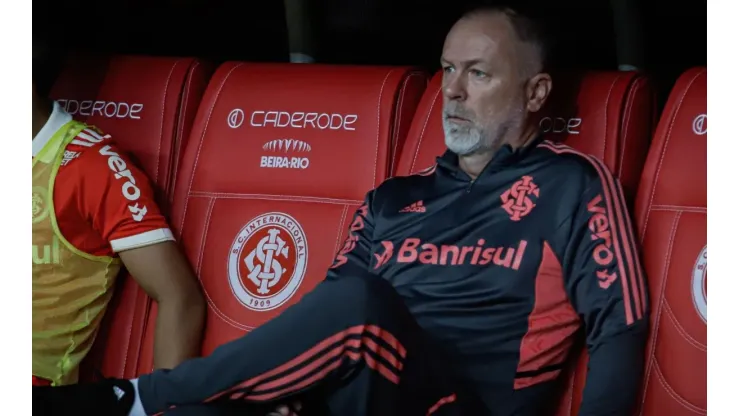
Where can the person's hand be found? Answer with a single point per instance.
(286, 410)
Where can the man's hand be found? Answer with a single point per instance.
(166, 276)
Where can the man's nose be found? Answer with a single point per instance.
(454, 87)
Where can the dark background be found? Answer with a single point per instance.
(360, 31)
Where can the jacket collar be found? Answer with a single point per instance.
(504, 156)
(58, 118)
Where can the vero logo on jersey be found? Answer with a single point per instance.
(358, 224)
(129, 189)
(412, 250)
(600, 231)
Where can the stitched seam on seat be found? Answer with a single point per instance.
(680, 329)
(396, 133)
(606, 116)
(423, 131)
(181, 127)
(654, 185)
(343, 218)
(377, 136)
(161, 120)
(200, 144)
(624, 134)
(661, 292)
(681, 401)
(340, 201)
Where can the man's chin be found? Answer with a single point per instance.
(462, 150)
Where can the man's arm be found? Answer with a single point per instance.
(605, 282)
(165, 275)
(354, 256)
(119, 201)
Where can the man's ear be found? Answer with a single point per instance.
(537, 90)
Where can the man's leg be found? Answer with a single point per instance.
(351, 341)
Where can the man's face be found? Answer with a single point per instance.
(483, 85)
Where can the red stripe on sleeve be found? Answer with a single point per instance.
(619, 223)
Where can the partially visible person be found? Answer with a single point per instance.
(94, 211)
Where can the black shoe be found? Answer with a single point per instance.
(109, 397)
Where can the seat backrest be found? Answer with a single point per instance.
(148, 105)
(607, 114)
(671, 216)
(281, 153)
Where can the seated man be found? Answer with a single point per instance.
(467, 308)
(93, 210)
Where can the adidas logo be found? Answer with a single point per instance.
(417, 206)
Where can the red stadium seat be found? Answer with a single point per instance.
(607, 114)
(610, 115)
(148, 105)
(280, 156)
(671, 213)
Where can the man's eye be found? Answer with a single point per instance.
(447, 69)
(477, 73)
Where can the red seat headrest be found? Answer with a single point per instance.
(146, 103)
(678, 172)
(293, 130)
(609, 114)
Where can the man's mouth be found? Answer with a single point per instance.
(456, 119)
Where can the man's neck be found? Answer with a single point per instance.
(42, 110)
(474, 164)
